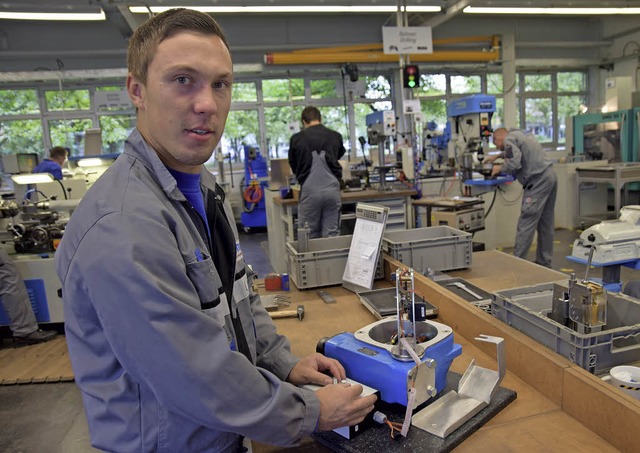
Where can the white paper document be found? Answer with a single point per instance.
(363, 254)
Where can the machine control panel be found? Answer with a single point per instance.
(469, 220)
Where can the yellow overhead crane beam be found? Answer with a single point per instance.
(372, 53)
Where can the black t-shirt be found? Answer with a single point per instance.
(315, 138)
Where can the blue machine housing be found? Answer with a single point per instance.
(478, 103)
(38, 298)
(254, 214)
(376, 367)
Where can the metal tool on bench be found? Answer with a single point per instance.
(398, 355)
(297, 313)
(326, 297)
(464, 288)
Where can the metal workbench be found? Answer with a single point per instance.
(618, 175)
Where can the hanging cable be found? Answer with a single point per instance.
(61, 97)
(64, 191)
(495, 194)
(253, 194)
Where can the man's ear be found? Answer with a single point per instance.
(135, 90)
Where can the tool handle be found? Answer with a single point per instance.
(284, 314)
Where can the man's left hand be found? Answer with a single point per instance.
(309, 370)
(495, 170)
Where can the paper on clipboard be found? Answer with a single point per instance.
(362, 261)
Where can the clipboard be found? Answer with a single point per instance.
(362, 261)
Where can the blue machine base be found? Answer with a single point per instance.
(38, 298)
(376, 367)
(255, 218)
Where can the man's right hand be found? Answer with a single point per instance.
(341, 405)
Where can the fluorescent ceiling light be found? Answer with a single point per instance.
(32, 178)
(52, 16)
(289, 9)
(555, 11)
(90, 162)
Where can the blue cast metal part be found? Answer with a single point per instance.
(375, 367)
(478, 103)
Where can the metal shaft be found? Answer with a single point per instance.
(586, 272)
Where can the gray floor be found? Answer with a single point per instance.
(39, 418)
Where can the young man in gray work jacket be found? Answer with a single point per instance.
(525, 158)
(171, 349)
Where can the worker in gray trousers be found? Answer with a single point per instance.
(526, 160)
(313, 156)
(17, 305)
(320, 201)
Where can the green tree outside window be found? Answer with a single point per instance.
(21, 136)
(67, 100)
(19, 102)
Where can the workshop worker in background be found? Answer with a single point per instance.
(53, 164)
(17, 306)
(170, 346)
(313, 156)
(526, 160)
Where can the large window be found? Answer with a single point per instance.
(115, 130)
(70, 134)
(547, 100)
(572, 88)
(324, 89)
(283, 90)
(19, 102)
(279, 121)
(67, 100)
(266, 111)
(539, 118)
(544, 103)
(241, 129)
(433, 85)
(465, 84)
(21, 136)
(244, 92)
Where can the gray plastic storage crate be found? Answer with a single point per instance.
(617, 343)
(439, 248)
(323, 264)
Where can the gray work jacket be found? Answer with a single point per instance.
(524, 156)
(149, 329)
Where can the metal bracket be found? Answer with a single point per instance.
(475, 390)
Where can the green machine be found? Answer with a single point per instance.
(611, 136)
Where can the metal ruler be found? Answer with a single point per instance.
(328, 298)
